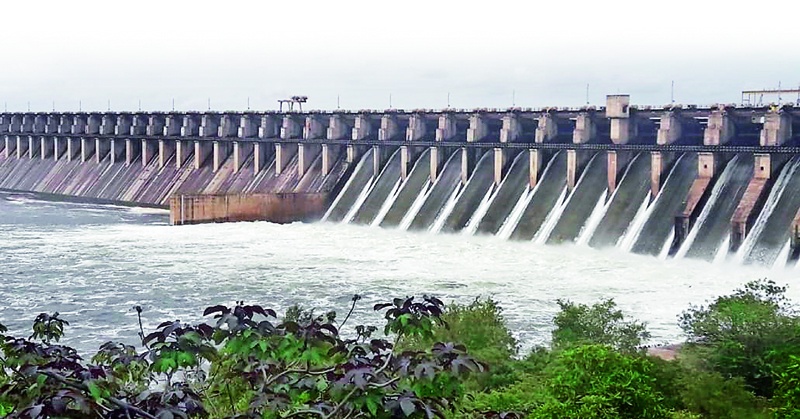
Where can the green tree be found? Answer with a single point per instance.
(601, 323)
(749, 334)
(596, 381)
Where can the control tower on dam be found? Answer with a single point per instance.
(684, 181)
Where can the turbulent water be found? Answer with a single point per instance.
(94, 263)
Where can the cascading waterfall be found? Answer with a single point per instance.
(351, 190)
(472, 225)
(412, 212)
(598, 212)
(552, 218)
(388, 203)
(516, 213)
(359, 201)
(706, 211)
(633, 231)
(448, 208)
(769, 207)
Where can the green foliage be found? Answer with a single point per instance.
(595, 381)
(711, 396)
(601, 323)
(241, 365)
(480, 326)
(750, 334)
(787, 393)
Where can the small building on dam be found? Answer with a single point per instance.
(686, 181)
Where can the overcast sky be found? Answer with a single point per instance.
(484, 54)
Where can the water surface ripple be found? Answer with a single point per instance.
(94, 263)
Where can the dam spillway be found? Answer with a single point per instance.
(700, 182)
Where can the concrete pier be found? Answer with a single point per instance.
(752, 201)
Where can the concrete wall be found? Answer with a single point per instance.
(273, 207)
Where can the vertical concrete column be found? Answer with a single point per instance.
(65, 123)
(191, 125)
(270, 127)
(546, 128)
(40, 124)
(362, 129)
(535, 166)
(22, 146)
(78, 124)
(27, 123)
(51, 124)
(669, 129)
(209, 125)
(241, 151)
(720, 128)
(313, 129)
(447, 131)
(248, 126)
(777, 128)
(102, 148)
(618, 111)
(133, 149)
(124, 124)
(706, 168)
(149, 150)
(262, 152)
(59, 147)
(202, 152)
(447, 127)
(166, 149)
(221, 151)
(752, 201)
(229, 125)
(511, 129)
(183, 148)
(46, 147)
(34, 146)
(290, 129)
(109, 124)
(117, 150)
(585, 129)
(617, 162)
(73, 149)
(478, 128)
(139, 126)
(93, 124)
(338, 129)
(15, 124)
(657, 168)
(87, 148)
(4, 120)
(155, 125)
(389, 130)
(10, 145)
(174, 125)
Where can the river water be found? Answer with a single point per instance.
(93, 263)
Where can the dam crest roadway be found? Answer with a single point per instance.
(716, 182)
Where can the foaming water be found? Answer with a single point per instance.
(94, 267)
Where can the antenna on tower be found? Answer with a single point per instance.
(587, 94)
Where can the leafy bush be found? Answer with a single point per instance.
(595, 381)
(242, 365)
(711, 396)
(601, 323)
(750, 334)
(480, 326)
(787, 393)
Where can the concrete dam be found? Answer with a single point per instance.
(716, 182)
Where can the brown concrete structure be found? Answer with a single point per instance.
(272, 207)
